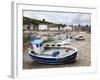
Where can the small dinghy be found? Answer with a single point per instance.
(79, 38)
(52, 55)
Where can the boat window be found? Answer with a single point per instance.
(37, 45)
(53, 45)
(47, 44)
(58, 45)
(40, 45)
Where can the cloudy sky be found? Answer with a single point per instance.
(60, 17)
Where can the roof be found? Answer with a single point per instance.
(37, 41)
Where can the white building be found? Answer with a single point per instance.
(43, 27)
(69, 28)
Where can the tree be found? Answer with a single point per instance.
(43, 20)
(58, 26)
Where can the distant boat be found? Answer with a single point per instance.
(66, 41)
(79, 38)
(53, 54)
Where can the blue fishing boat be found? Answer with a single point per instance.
(52, 54)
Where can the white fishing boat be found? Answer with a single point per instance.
(52, 53)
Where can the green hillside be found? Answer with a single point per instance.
(27, 20)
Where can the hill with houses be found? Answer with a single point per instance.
(35, 24)
(27, 20)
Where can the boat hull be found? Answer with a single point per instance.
(63, 60)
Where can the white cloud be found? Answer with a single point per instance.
(59, 17)
(85, 18)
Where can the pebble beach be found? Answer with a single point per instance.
(83, 56)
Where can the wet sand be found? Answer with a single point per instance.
(83, 56)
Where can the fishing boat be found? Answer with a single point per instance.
(52, 54)
(79, 38)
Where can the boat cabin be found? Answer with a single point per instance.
(37, 45)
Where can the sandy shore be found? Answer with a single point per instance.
(83, 56)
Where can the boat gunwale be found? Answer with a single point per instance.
(51, 57)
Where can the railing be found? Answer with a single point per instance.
(55, 45)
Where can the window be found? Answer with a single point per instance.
(37, 45)
(52, 45)
(58, 45)
(40, 45)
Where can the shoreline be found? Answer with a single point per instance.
(83, 57)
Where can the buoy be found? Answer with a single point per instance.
(67, 50)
